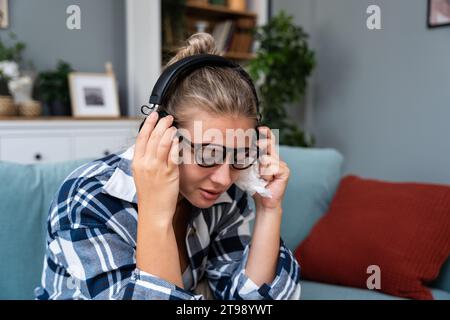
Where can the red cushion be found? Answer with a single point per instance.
(404, 228)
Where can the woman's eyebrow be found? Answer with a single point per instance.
(209, 142)
(221, 145)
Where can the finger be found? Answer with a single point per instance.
(266, 133)
(263, 146)
(264, 160)
(266, 174)
(144, 134)
(157, 134)
(284, 171)
(165, 144)
(269, 167)
(174, 155)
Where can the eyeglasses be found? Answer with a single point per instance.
(208, 155)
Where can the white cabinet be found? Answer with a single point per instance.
(87, 146)
(47, 141)
(34, 149)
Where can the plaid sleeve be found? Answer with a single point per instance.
(228, 258)
(89, 256)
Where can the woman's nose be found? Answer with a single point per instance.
(222, 175)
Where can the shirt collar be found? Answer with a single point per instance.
(121, 184)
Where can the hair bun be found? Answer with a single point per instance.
(198, 43)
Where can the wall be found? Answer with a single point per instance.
(380, 97)
(41, 24)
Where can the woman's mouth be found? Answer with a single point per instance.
(209, 195)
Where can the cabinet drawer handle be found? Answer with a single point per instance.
(38, 156)
(106, 153)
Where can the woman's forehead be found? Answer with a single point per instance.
(227, 131)
(230, 137)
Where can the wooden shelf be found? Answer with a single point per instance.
(229, 55)
(242, 22)
(216, 10)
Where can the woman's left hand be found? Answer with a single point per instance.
(273, 170)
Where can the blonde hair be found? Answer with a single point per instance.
(216, 90)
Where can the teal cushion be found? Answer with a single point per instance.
(315, 175)
(321, 291)
(25, 195)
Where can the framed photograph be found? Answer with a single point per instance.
(438, 13)
(4, 14)
(94, 95)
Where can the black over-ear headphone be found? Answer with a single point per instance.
(184, 67)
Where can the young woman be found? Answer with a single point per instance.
(140, 225)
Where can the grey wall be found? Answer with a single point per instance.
(380, 97)
(301, 11)
(41, 24)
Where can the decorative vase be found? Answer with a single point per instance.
(21, 89)
(57, 108)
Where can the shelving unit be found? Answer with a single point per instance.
(216, 11)
(235, 39)
(144, 46)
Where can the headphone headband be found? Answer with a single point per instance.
(189, 64)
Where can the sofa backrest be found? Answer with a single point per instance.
(25, 195)
(315, 175)
(27, 190)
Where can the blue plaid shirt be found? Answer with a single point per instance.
(91, 243)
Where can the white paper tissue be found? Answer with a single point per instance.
(250, 181)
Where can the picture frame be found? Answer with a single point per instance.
(4, 14)
(438, 13)
(94, 95)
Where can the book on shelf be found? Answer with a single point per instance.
(218, 2)
(222, 34)
(234, 35)
(242, 41)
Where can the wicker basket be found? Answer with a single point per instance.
(30, 108)
(7, 106)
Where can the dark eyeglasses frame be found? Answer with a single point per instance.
(196, 146)
(199, 146)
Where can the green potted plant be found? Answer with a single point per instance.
(10, 58)
(282, 66)
(53, 89)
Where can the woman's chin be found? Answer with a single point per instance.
(200, 202)
(203, 204)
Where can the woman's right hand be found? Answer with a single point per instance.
(155, 169)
